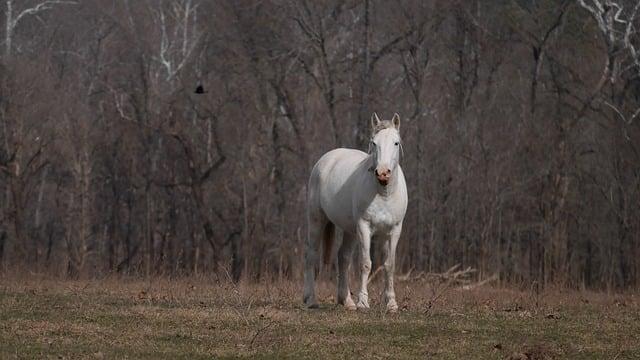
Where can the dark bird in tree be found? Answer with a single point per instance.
(200, 90)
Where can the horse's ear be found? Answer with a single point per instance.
(396, 121)
(375, 122)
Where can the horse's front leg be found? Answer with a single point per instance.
(364, 237)
(389, 268)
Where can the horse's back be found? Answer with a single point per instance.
(336, 166)
(339, 159)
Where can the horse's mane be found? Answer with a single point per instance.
(384, 124)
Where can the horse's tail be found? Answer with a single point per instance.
(327, 241)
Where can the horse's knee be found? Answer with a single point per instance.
(366, 265)
(389, 264)
(344, 254)
(310, 257)
(343, 259)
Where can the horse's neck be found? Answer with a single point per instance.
(389, 190)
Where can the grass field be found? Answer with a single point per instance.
(196, 318)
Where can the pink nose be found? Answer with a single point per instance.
(383, 174)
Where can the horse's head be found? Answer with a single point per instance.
(385, 147)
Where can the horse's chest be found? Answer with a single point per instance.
(381, 215)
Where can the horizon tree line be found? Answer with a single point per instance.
(175, 137)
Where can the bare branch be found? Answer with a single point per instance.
(43, 6)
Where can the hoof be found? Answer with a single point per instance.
(392, 305)
(350, 305)
(363, 305)
(310, 301)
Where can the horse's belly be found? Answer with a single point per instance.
(339, 213)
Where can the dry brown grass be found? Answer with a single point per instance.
(203, 318)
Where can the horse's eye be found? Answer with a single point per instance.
(397, 143)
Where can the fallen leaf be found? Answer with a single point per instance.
(518, 356)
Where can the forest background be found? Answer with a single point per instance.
(519, 122)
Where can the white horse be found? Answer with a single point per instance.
(365, 195)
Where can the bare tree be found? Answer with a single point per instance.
(15, 15)
(176, 136)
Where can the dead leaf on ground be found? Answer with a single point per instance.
(535, 352)
(518, 356)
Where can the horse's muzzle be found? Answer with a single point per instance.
(383, 176)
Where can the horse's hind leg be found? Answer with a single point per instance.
(316, 223)
(344, 262)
